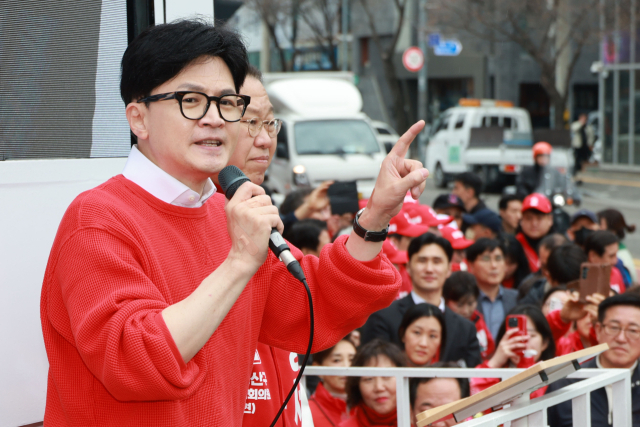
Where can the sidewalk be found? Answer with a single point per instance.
(595, 175)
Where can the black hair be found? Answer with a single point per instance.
(615, 300)
(254, 72)
(470, 180)
(305, 234)
(506, 199)
(552, 241)
(541, 324)
(162, 51)
(414, 383)
(460, 285)
(320, 356)
(429, 239)
(294, 200)
(564, 263)
(372, 350)
(482, 245)
(423, 310)
(514, 253)
(598, 242)
(616, 222)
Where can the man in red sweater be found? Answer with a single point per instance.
(154, 296)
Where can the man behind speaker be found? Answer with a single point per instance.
(156, 290)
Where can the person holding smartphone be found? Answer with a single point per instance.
(513, 345)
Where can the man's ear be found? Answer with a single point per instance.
(449, 270)
(136, 114)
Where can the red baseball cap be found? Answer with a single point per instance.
(538, 202)
(424, 215)
(405, 225)
(394, 255)
(456, 238)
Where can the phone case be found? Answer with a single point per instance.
(594, 278)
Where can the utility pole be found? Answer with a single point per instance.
(345, 23)
(423, 94)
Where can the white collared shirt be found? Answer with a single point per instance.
(143, 172)
(417, 299)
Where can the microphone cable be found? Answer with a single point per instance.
(231, 178)
(306, 356)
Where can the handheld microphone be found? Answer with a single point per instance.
(231, 178)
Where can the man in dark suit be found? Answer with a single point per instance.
(429, 266)
(619, 326)
(485, 259)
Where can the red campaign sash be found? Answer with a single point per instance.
(532, 256)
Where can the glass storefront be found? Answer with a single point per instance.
(620, 84)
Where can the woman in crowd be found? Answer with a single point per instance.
(328, 403)
(372, 400)
(539, 342)
(516, 261)
(613, 220)
(422, 331)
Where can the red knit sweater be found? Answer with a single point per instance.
(121, 256)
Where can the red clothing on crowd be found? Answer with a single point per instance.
(532, 255)
(616, 282)
(273, 375)
(508, 283)
(480, 384)
(327, 410)
(559, 327)
(487, 344)
(572, 342)
(407, 285)
(363, 416)
(121, 256)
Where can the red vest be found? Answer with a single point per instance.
(327, 410)
(274, 372)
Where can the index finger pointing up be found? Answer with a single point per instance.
(402, 146)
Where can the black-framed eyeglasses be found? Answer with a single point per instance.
(194, 105)
(255, 126)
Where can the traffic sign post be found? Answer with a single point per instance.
(413, 59)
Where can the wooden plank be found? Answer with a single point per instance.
(555, 364)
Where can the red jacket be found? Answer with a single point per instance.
(559, 328)
(487, 344)
(363, 416)
(572, 342)
(532, 255)
(616, 282)
(121, 256)
(327, 410)
(273, 375)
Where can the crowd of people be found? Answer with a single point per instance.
(465, 268)
(161, 304)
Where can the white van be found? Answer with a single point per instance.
(488, 137)
(324, 134)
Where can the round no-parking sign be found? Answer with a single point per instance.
(413, 59)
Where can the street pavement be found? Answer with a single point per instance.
(600, 191)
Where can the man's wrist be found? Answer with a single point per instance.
(373, 222)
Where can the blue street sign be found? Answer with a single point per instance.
(434, 39)
(449, 47)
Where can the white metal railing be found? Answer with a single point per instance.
(534, 411)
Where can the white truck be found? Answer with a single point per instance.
(324, 134)
(488, 137)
